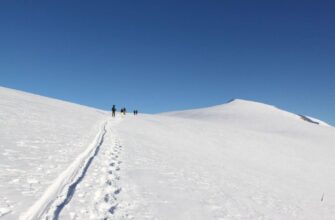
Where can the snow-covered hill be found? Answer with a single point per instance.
(240, 160)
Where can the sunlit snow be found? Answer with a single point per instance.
(240, 160)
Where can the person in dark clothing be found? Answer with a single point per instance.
(113, 111)
(124, 111)
(134, 112)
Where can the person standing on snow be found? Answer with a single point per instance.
(113, 111)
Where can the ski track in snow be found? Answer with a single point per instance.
(72, 188)
(94, 181)
(97, 196)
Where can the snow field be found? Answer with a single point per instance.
(40, 137)
(240, 160)
(61, 190)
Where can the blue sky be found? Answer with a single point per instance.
(167, 55)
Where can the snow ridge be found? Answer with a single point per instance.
(60, 192)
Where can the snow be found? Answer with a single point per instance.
(58, 193)
(97, 195)
(239, 160)
(40, 138)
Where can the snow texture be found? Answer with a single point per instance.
(40, 138)
(240, 160)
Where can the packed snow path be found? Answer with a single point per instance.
(91, 180)
(97, 196)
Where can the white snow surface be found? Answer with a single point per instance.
(240, 160)
(39, 139)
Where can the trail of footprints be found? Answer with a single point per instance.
(106, 201)
(98, 196)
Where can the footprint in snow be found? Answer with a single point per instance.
(117, 191)
(112, 209)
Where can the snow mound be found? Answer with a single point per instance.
(240, 160)
(237, 108)
(251, 114)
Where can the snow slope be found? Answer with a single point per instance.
(39, 138)
(240, 160)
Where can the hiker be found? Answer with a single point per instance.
(124, 111)
(113, 111)
(134, 112)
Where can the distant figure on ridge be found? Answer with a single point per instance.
(123, 111)
(113, 111)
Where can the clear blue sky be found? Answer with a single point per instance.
(164, 55)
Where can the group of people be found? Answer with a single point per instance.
(122, 110)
